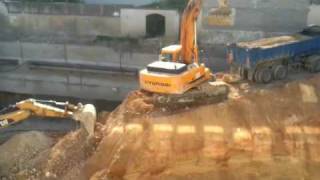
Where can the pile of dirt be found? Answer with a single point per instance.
(270, 42)
(240, 138)
(266, 133)
(16, 152)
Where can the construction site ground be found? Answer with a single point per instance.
(261, 132)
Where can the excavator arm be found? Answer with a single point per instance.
(85, 114)
(13, 117)
(43, 110)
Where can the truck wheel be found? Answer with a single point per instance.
(265, 75)
(256, 76)
(243, 73)
(316, 66)
(280, 72)
(313, 63)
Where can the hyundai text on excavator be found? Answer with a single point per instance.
(178, 78)
(21, 111)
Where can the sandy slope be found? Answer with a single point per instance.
(268, 133)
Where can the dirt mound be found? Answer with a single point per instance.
(16, 152)
(247, 137)
(269, 133)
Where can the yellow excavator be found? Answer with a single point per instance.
(178, 78)
(85, 114)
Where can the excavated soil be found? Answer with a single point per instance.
(20, 149)
(260, 133)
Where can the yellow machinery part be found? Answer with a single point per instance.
(173, 83)
(14, 117)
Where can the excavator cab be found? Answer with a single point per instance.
(170, 53)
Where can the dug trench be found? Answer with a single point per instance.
(259, 133)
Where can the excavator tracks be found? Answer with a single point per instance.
(206, 93)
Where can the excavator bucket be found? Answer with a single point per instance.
(87, 117)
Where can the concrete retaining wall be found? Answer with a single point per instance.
(43, 52)
(313, 17)
(68, 84)
(10, 50)
(76, 54)
(66, 25)
(255, 16)
(79, 83)
(77, 20)
(97, 55)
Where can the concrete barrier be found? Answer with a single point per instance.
(43, 52)
(10, 50)
(66, 25)
(137, 60)
(98, 55)
(92, 55)
(98, 26)
(313, 17)
(86, 85)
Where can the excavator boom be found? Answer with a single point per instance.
(188, 34)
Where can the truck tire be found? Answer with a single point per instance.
(256, 77)
(316, 66)
(313, 64)
(243, 73)
(264, 75)
(280, 72)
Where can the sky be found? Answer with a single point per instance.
(130, 2)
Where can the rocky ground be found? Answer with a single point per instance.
(261, 132)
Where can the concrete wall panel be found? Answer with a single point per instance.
(66, 25)
(137, 60)
(98, 26)
(43, 52)
(283, 4)
(313, 17)
(10, 50)
(97, 55)
(270, 20)
(91, 86)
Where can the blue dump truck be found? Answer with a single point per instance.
(270, 59)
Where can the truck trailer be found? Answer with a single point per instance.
(269, 59)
